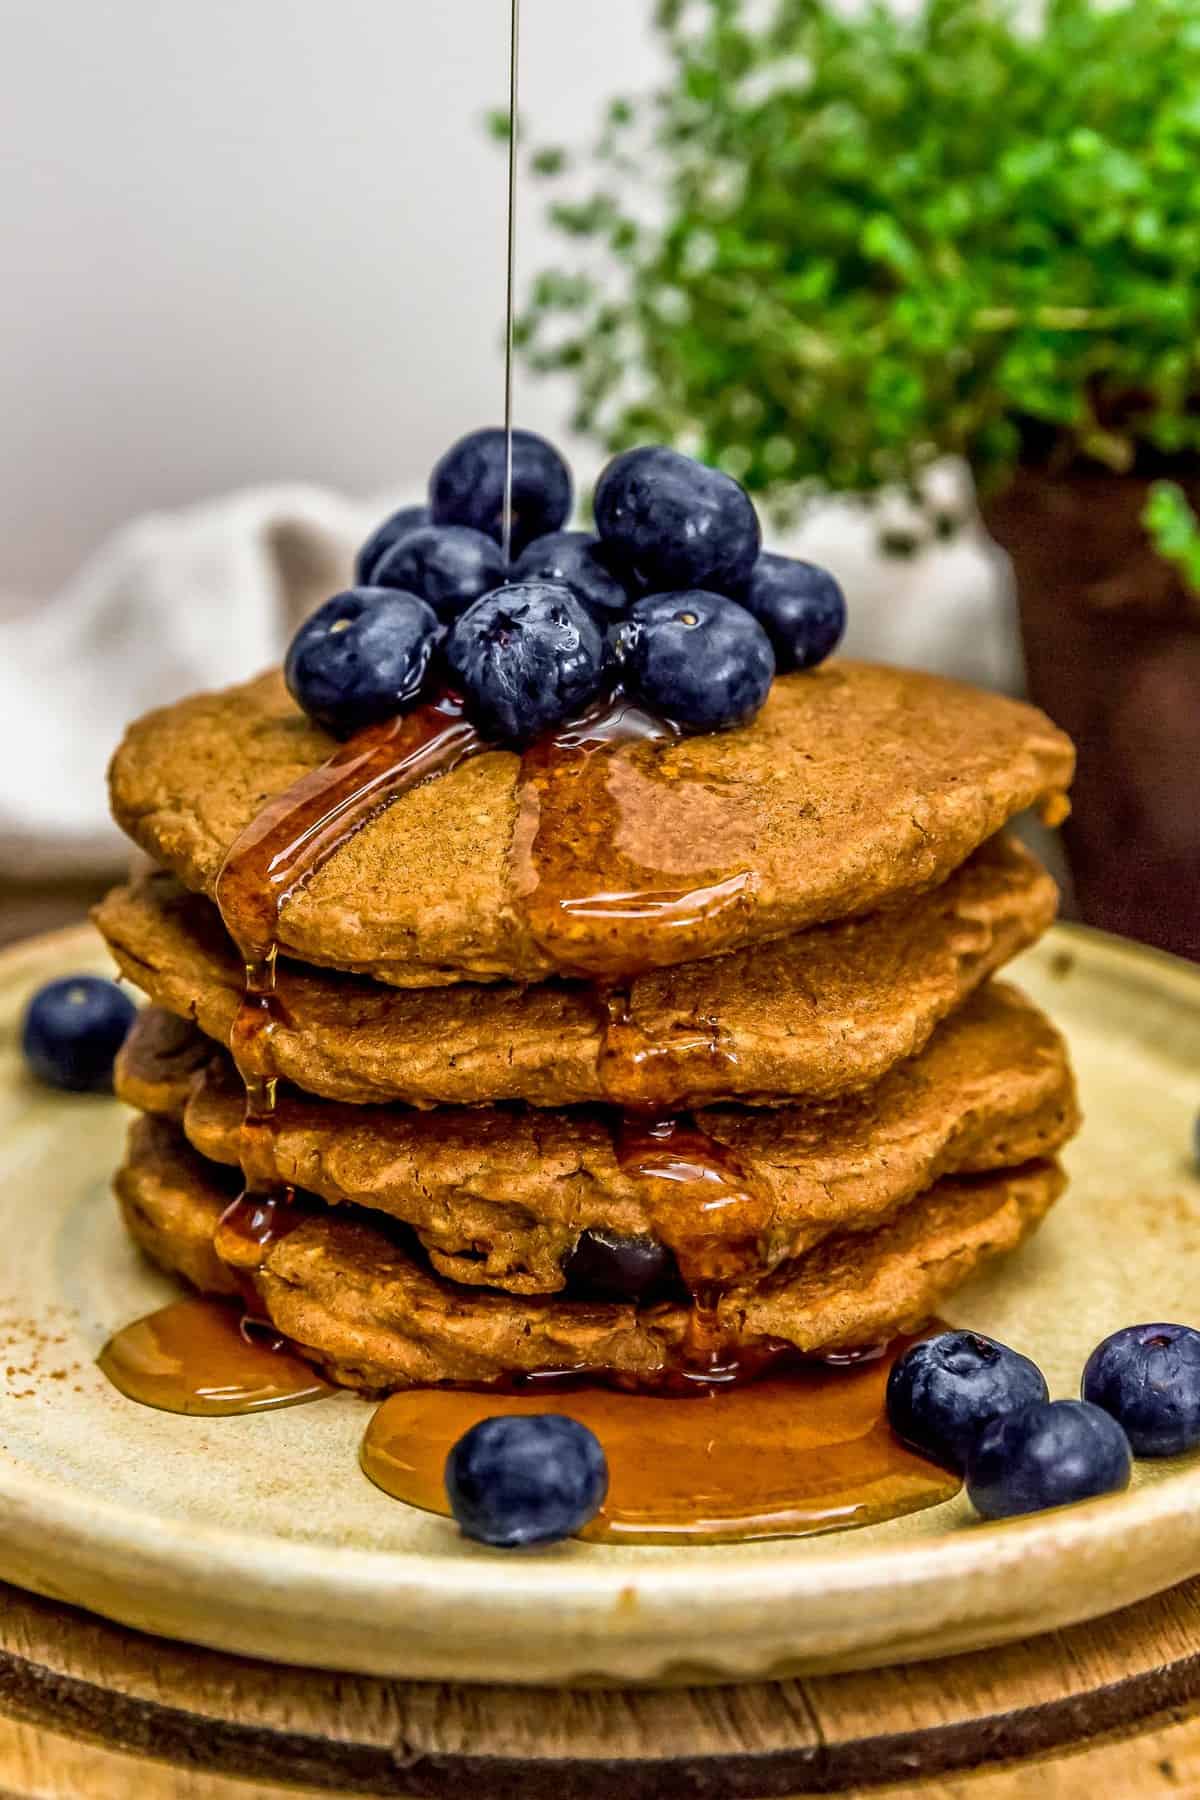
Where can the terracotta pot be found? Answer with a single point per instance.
(1112, 644)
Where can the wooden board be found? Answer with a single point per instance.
(93, 1711)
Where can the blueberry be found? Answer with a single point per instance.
(799, 606)
(72, 1031)
(674, 523)
(527, 658)
(576, 558)
(1148, 1378)
(698, 659)
(944, 1390)
(1048, 1454)
(450, 566)
(606, 1266)
(363, 656)
(467, 486)
(396, 526)
(526, 1479)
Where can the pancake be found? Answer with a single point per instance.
(818, 1014)
(355, 1298)
(854, 787)
(501, 1197)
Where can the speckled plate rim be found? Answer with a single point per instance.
(575, 1614)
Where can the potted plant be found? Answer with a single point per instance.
(835, 245)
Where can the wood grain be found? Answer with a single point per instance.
(92, 1710)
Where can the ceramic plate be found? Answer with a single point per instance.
(258, 1535)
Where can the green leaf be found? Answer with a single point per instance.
(1174, 530)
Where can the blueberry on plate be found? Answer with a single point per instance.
(606, 1266)
(944, 1390)
(467, 486)
(527, 658)
(363, 656)
(578, 559)
(1148, 1378)
(450, 566)
(800, 607)
(674, 523)
(698, 659)
(394, 527)
(528, 1478)
(1049, 1454)
(72, 1031)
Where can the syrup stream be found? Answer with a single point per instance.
(514, 126)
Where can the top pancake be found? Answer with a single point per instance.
(855, 786)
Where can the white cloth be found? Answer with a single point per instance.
(173, 603)
(207, 595)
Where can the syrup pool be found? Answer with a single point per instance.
(195, 1357)
(791, 1455)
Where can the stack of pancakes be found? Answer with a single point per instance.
(791, 1100)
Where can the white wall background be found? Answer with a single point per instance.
(262, 240)
(258, 239)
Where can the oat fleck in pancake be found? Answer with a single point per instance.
(501, 1196)
(855, 786)
(356, 1299)
(818, 1014)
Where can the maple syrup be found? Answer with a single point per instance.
(194, 1357)
(796, 1453)
(297, 832)
(642, 1072)
(277, 854)
(598, 874)
(252, 1223)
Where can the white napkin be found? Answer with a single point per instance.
(173, 603)
(208, 595)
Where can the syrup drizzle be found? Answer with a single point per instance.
(299, 830)
(640, 1071)
(277, 854)
(598, 885)
(789, 1456)
(706, 1212)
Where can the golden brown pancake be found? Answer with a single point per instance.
(817, 1014)
(854, 787)
(501, 1197)
(353, 1296)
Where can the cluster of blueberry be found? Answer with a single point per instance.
(982, 1409)
(672, 598)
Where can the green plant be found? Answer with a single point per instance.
(1174, 530)
(833, 245)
